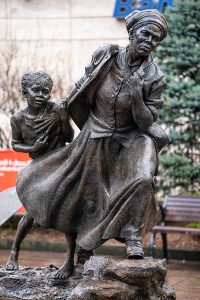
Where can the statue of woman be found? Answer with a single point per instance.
(101, 186)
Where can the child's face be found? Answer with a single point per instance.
(38, 94)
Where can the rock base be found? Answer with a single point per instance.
(103, 278)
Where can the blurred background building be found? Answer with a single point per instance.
(58, 35)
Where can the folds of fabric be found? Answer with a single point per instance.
(93, 187)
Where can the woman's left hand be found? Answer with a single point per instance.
(135, 83)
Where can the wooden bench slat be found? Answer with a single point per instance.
(183, 213)
(181, 209)
(180, 219)
(185, 206)
(183, 201)
(177, 229)
(183, 197)
(173, 201)
(187, 212)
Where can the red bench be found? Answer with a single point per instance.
(176, 210)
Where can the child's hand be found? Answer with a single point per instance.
(40, 143)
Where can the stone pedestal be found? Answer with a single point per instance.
(102, 278)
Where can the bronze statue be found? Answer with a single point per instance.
(38, 128)
(101, 185)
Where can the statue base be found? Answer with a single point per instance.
(103, 278)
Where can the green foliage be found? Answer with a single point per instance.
(178, 58)
(194, 225)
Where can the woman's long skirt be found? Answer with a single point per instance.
(96, 188)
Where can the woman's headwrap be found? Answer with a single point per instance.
(149, 16)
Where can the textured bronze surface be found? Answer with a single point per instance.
(101, 185)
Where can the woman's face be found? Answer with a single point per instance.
(145, 39)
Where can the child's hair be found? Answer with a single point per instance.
(29, 78)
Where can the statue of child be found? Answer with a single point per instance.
(41, 126)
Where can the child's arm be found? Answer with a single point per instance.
(18, 141)
(39, 145)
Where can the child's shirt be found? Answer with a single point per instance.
(24, 131)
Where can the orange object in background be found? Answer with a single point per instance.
(10, 164)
